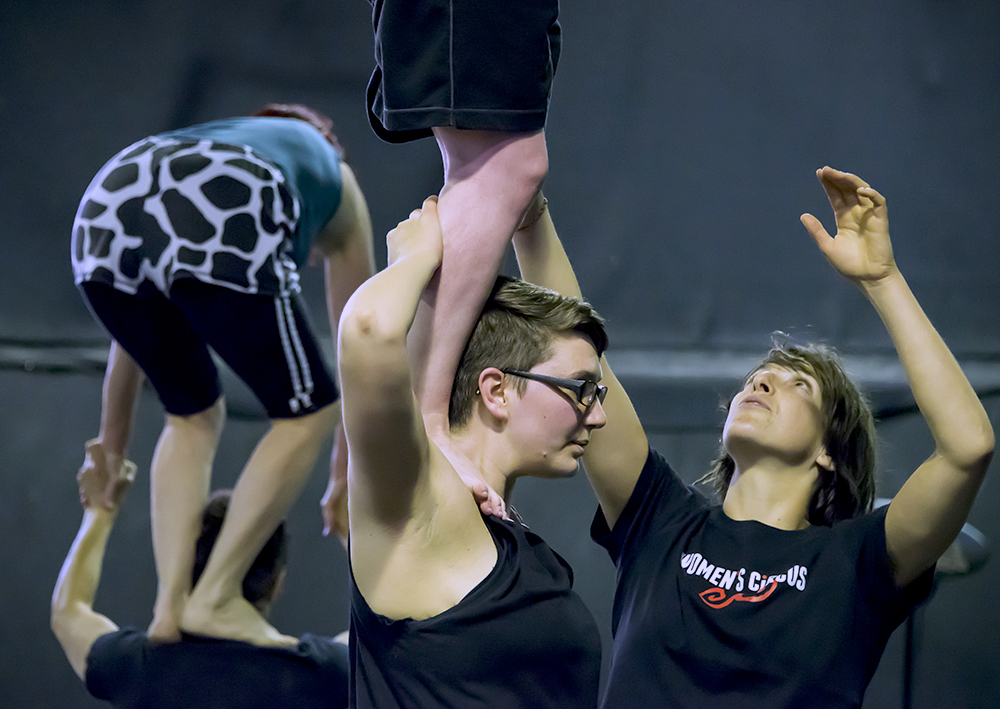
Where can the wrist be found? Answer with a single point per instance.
(879, 287)
(108, 446)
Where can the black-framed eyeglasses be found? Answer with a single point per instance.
(587, 391)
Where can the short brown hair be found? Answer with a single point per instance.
(849, 490)
(515, 331)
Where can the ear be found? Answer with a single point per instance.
(824, 461)
(493, 393)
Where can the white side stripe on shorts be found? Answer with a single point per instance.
(295, 356)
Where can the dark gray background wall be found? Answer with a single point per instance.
(683, 139)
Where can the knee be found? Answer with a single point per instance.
(518, 161)
(215, 415)
(534, 168)
(317, 425)
(210, 420)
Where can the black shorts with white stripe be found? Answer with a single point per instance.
(267, 342)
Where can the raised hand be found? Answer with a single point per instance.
(861, 250)
(489, 500)
(334, 502)
(421, 232)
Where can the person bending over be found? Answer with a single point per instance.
(785, 594)
(123, 666)
(451, 607)
(189, 242)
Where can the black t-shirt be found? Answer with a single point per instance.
(126, 670)
(521, 638)
(712, 612)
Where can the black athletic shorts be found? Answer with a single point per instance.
(265, 340)
(472, 64)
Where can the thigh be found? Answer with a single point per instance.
(267, 342)
(158, 336)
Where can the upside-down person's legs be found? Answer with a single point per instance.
(490, 179)
(180, 476)
(265, 491)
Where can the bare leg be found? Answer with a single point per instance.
(179, 478)
(268, 485)
(490, 179)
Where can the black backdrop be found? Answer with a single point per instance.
(682, 138)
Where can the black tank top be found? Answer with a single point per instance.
(521, 638)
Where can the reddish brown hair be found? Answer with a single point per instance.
(319, 121)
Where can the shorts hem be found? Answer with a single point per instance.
(404, 125)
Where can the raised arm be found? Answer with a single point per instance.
(346, 247)
(928, 512)
(73, 619)
(122, 385)
(617, 452)
(387, 443)
(418, 542)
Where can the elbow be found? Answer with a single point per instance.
(59, 619)
(986, 454)
(976, 454)
(533, 171)
(363, 334)
(985, 445)
(362, 327)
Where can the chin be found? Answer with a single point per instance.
(571, 468)
(559, 470)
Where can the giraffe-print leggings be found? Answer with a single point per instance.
(181, 248)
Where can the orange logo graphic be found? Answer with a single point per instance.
(716, 597)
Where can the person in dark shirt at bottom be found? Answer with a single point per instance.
(122, 665)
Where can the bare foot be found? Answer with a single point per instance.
(163, 631)
(165, 627)
(235, 619)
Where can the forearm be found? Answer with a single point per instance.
(344, 273)
(954, 414)
(122, 384)
(617, 452)
(74, 622)
(81, 571)
(541, 257)
(347, 248)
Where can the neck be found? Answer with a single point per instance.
(775, 495)
(482, 456)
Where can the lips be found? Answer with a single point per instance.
(755, 401)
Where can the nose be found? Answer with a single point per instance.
(596, 418)
(762, 381)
